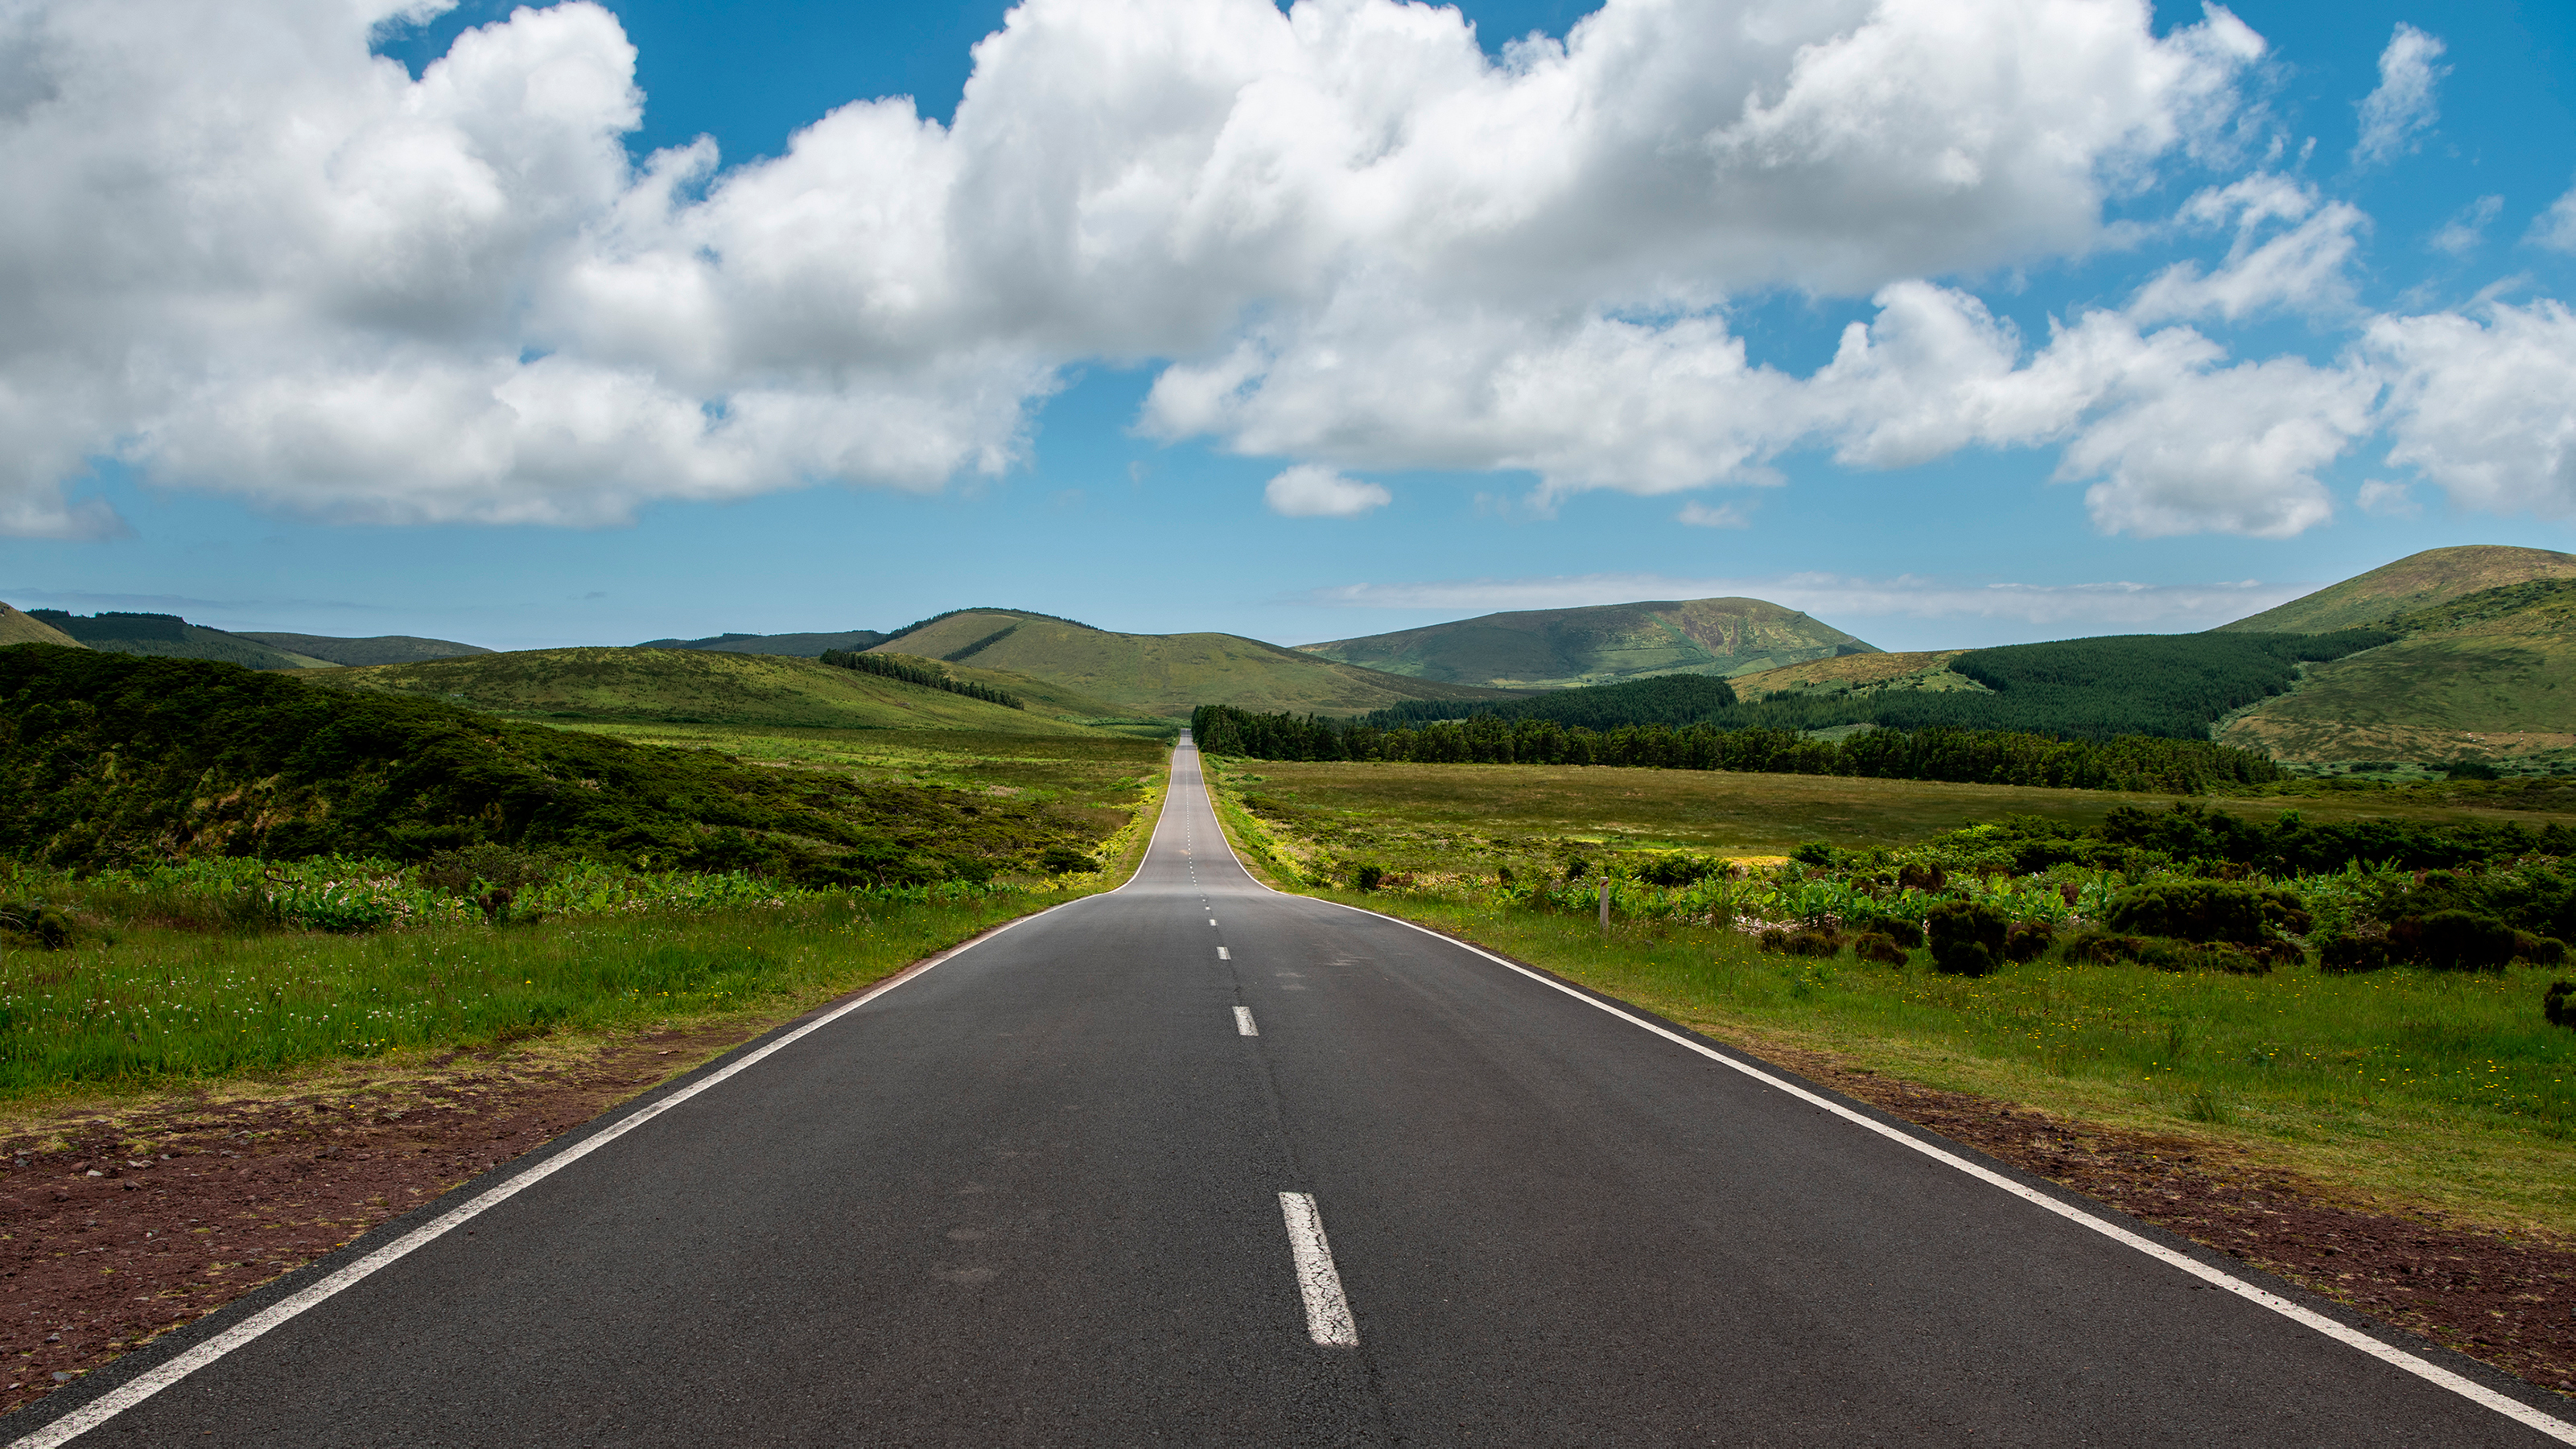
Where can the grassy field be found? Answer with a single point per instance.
(695, 686)
(1165, 675)
(1421, 813)
(201, 970)
(2412, 582)
(2399, 1088)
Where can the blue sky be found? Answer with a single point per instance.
(1110, 506)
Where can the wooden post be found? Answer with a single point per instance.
(1605, 905)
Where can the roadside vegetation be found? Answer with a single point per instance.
(217, 871)
(2359, 999)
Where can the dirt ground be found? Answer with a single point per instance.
(120, 1224)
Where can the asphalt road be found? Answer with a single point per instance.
(1033, 1196)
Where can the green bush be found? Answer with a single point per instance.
(1813, 852)
(1905, 933)
(1967, 937)
(2538, 950)
(2207, 910)
(1365, 878)
(1677, 870)
(1065, 860)
(1879, 947)
(2102, 948)
(1813, 943)
(2453, 941)
(45, 925)
(2028, 940)
(2558, 1003)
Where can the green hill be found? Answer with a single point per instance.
(1164, 675)
(802, 646)
(378, 649)
(17, 628)
(691, 687)
(110, 759)
(171, 637)
(1559, 648)
(2417, 581)
(2487, 677)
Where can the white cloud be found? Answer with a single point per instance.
(2481, 406)
(2461, 234)
(1308, 491)
(2396, 114)
(2107, 605)
(1723, 515)
(2387, 500)
(2301, 268)
(2555, 228)
(251, 257)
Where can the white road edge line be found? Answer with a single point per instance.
(1328, 1313)
(2432, 1373)
(2514, 1409)
(1243, 1022)
(144, 1385)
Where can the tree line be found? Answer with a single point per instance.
(884, 667)
(1968, 756)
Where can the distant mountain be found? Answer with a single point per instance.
(379, 649)
(1165, 675)
(2417, 581)
(2487, 677)
(803, 646)
(170, 636)
(1560, 648)
(17, 628)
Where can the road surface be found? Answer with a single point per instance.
(1196, 1163)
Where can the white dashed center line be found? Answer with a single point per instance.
(1328, 1313)
(1243, 1022)
(1223, 954)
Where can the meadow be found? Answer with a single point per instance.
(183, 971)
(2403, 1087)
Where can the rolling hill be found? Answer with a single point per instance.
(171, 637)
(2417, 581)
(1560, 648)
(691, 687)
(380, 649)
(2486, 677)
(1164, 675)
(17, 628)
(803, 646)
(1860, 674)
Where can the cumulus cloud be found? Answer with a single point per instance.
(246, 255)
(2113, 604)
(1309, 491)
(2396, 114)
(242, 254)
(2387, 500)
(2480, 404)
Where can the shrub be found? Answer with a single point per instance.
(36, 921)
(1813, 852)
(2558, 1003)
(2538, 950)
(1772, 938)
(1967, 937)
(1903, 932)
(1065, 860)
(1922, 878)
(499, 870)
(2028, 940)
(2348, 953)
(2101, 948)
(1366, 877)
(1880, 947)
(2207, 910)
(2453, 941)
(1676, 870)
(1813, 943)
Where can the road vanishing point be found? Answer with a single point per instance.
(1192, 1162)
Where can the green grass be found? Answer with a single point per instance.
(161, 1006)
(1557, 648)
(695, 686)
(2414, 582)
(1163, 675)
(1416, 815)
